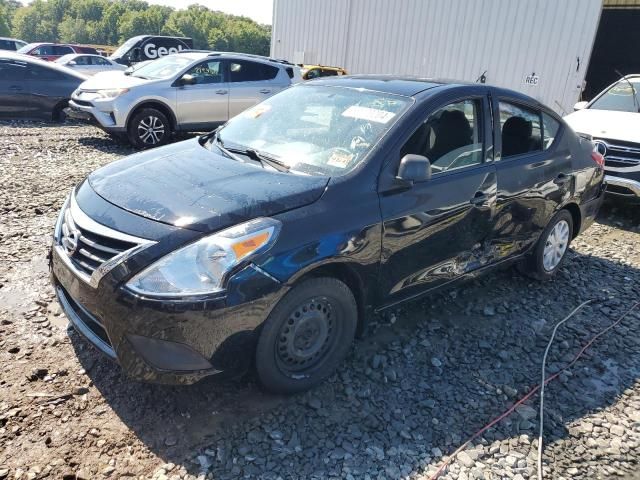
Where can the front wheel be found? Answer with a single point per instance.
(551, 249)
(306, 336)
(149, 128)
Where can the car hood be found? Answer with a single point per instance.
(112, 79)
(188, 186)
(608, 124)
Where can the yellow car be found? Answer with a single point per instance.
(315, 71)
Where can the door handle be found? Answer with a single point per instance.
(265, 90)
(221, 92)
(480, 199)
(562, 179)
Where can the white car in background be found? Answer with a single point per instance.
(613, 120)
(89, 64)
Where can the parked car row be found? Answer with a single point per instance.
(270, 241)
(189, 91)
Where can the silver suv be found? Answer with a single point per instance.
(190, 91)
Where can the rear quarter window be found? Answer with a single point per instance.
(550, 129)
(246, 71)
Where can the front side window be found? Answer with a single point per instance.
(317, 130)
(624, 96)
(83, 60)
(450, 138)
(36, 72)
(520, 130)
(207, 72)
(43, 50)
(246, 71)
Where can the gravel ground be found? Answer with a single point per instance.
(426, 377)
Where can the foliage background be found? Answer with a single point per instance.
(111, 22)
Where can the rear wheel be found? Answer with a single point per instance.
(306, 336)
(551, 248)
(149, 128)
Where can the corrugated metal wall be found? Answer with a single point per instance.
(461, 39)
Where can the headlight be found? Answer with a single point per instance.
(112, 92)
(200, 268)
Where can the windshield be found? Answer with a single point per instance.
(125, 47)
(164, 67)
(318, 130)
(27, 48)
(620, 97)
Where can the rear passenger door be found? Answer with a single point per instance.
(438, 230)
(522, 166)
(251, 82)
(14, 93)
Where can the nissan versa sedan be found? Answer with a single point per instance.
(272, 240)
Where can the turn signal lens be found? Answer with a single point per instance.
(250, 245)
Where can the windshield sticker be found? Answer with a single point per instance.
(369, 114)
(340, 159)
(257, 111)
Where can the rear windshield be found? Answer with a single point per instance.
(624, 96)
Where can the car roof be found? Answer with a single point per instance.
(411, 86)
(200, 54)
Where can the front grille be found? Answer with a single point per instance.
(82, 103)
(90, 250)
(620, 154)
(86, 249)
(82, 314)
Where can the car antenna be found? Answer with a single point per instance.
(633, 90)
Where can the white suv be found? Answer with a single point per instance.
(190, 91)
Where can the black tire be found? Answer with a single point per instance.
(534, 265)
(149, 128)
(306, 336)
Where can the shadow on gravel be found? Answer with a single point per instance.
(410, 392)
(620, 214)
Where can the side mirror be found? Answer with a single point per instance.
(414, 168)
(580, 106)
(187, 79)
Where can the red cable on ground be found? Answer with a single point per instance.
(528, 395)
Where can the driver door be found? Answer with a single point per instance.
(205, 104)
(439, 229)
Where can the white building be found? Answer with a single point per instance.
(539, 47)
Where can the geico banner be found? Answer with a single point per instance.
(151, 51)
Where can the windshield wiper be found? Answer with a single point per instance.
(251, 153)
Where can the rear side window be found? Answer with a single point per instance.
(328, 73)
(11, 72)
(520, 130)
(7, 45)
(36, 72)
(83, 60)
(246, 71)
(550, 128)
(99, 61)
(62, 50)
(451, 138)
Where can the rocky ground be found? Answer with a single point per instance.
(427, 377)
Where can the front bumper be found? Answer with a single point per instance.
(175, 341)
(623, 187)
(103, 113)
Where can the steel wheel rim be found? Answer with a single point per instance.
(151, 130)
(555, 246)
(306, 337)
